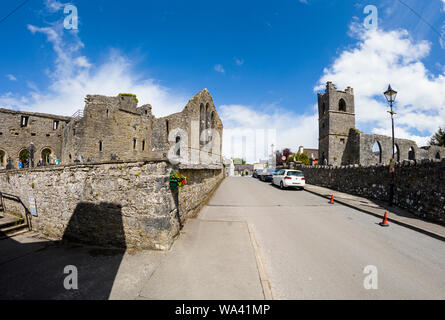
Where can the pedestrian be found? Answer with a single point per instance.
(20, 164)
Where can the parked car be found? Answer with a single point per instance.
(289, 178)
(256, 173)
(267, 174)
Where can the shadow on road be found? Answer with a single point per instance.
(286, 189)
(35, 270)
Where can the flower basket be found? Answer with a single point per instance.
(177, 180)
(173, 184)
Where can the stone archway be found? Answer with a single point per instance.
(377, 151)
(411, 154)
(396, 152)
(23, 156)
(46, 154)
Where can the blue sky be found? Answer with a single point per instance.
(262, 61)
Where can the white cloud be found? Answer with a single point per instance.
(53, 5)
(260, 129)
(382, 57)
(239, 62)
(443, 9)
(219, 68)
(74, 76)
(11, 77)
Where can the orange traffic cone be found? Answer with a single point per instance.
(384, 223)
(332, 199)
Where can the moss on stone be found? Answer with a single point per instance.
(129, 95)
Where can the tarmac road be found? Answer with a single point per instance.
(314, 250)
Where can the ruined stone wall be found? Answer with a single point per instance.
(115, 128)
(39, 130)
(110, 127)
(420, 187)
(190, 124)
(113, 204)
(361, 147)
(200, 185)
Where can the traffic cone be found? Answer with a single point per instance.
(384, 223)
(332, 199)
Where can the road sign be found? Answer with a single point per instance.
(237, 161)
(32, 206)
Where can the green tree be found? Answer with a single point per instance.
(438, 139)
(301, 157)
(23, 156)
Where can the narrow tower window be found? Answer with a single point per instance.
(342, 105)
(100, 146)
(24, 121)
(178, 153)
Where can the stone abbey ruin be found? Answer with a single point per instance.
(109, 128)
(340, 143)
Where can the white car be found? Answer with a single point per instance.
(289, 178)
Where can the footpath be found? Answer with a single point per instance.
(211, 260)
(378, 209)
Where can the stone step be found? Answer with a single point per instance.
(13, 231)
(8, 221)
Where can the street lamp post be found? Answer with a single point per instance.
(390, 95)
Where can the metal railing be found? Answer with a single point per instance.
(18, 200)
(78, 114)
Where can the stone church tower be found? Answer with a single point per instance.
(336, 112)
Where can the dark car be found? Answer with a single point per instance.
(256, 173)
(267, 174)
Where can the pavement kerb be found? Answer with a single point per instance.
(404, 224)
(264, 279)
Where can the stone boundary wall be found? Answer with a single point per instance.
(419, 186)
(116, 204)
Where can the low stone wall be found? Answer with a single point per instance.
(419, 187)
(119, 204)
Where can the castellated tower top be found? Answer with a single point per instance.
(334, 100)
